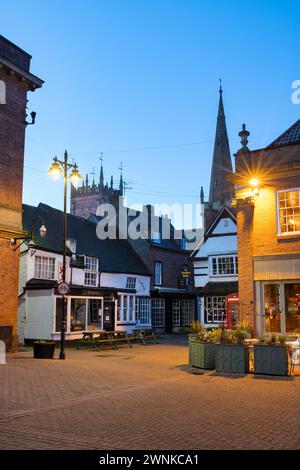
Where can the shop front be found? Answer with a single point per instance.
(172, 310)
(277, 294)
(279, 307)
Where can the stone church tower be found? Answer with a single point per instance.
(86, 199)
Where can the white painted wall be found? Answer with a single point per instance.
(39, 314)
(119, 281)
(215, 246)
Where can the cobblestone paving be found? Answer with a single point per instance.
(142, 398)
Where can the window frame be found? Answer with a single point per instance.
(158, 263)
(160, 312)
(279, 232)
(131, 282)
(91, 272)
(41, 276)
(213, 314)
(216, 258)
(126, 309)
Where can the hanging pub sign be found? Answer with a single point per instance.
(185, 271)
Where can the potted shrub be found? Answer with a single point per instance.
(202, 347)
(43, 349)
(271, 356)
(232, 354)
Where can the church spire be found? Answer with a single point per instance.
(121, 184)
(221, 190)
(101, 180)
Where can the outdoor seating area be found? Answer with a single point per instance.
(96, 339)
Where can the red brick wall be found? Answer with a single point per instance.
(172, 265)
(12, 135)
(257, 236)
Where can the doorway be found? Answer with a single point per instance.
(281, 307)
(109, 315)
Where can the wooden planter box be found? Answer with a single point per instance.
(201, 355)
(43, 350)
(270, 360)
(232, 358)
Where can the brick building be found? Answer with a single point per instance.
(268, 219)
(16, 80)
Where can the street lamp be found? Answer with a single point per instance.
(58, 168)
(27, 237)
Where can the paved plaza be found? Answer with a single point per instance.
(142, 398)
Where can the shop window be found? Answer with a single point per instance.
(143, 310)
(272, 308)
(44, 267)
(215, 309)
(126, 308)
(95, 313)
(176, 312)
(188, 311)
(292, 307)
(288, 210)
(78, 314)
(158, 312)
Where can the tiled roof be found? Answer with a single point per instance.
(290, 136)
(115, 255)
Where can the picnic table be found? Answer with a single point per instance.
(144, 335)
(99, 337)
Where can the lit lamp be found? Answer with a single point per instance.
(58, 168)
(254, 183)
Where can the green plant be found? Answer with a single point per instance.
(273, 340)
(214, 336)
(245, 326)
(236, 336)
(197, 327)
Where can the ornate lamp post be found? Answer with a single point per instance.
(58, 168)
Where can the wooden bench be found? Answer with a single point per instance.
(143, 335)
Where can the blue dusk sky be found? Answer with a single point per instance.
(138, 80)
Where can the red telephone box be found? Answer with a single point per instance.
(232, 310)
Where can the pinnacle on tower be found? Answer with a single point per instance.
(101, 180)
(121, 184)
